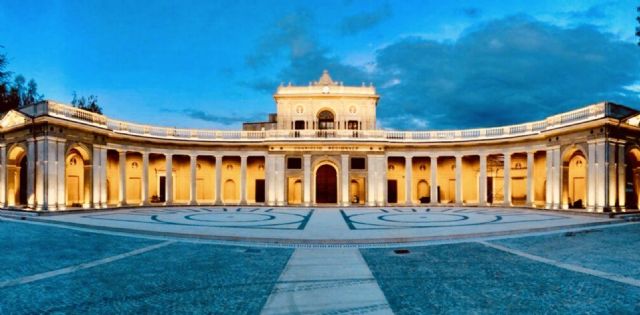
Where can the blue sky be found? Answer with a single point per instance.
(436, 64)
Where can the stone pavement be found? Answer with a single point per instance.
(327, 225)
(326, 280)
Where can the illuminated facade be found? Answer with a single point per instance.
(322, 148)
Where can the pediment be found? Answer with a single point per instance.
(13, 118)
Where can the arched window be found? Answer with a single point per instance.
(325, 120)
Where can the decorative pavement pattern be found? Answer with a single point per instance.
(57, 268)
(290, 225)
(246, 218)
(416, 218)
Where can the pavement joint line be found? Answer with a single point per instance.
(571, 267)
(87, 265)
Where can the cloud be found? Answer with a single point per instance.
(357, 23)
(215, 118)
(472, 13)
(292, 40)
(502, 72)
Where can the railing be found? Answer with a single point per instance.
(66, 112)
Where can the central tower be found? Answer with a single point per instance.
(326, 104)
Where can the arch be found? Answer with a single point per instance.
(17, 175)
(326, 183)
(80, 149)
(423, 191)
(297, 192)
(354, 188)
(326, 119)
(230, 194)
(632, 176)
(77, 176)
(574, 177)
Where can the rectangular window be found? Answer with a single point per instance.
(352, 125)
(357, 163)
(299, 125)
(294, 163)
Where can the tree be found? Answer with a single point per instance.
(31, 95)
(89, 104)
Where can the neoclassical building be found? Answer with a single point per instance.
(322, 147)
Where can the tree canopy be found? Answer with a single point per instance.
(16, 92)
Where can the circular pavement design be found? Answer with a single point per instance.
(362, 227)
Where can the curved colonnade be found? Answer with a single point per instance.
(57, 157)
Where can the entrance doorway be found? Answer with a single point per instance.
(392, 191)
(326, 184)
(162, 189)
(259, 190)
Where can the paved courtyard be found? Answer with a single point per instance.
(327, 225)
(500, 261)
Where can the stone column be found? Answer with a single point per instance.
(434, 179)
(372, 173)
(591, 176)
(279, 173)
(95, 160)
(31, 173)
(103, 177)
(307, 179)
(458, 174)
(483, 181)
(122, 168)
(145, 178)
(612, 172)
(601, 174)
(51, 174)
(270, 180)
(408, 174)
(549, 177)
(507, 179)
(557, 183)
(622, 180)
(62, 164)
(530, 179)
(219, 179)
(344, 181)
(40, 171)
(193, 180)
(243, 179)
(3, 175)
(169, 178)
(383, 190)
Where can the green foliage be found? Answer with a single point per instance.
(16, 94)
(89, 103)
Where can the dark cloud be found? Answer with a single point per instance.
(595, 12)
(506, 71)
(215, 118)
(290, 36)
(497, 73)
(472, 13)
(293, 38)
(357, 23)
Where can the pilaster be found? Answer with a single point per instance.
(219, 179)
(408, 176)
(145, 178)
(307, 180)
(458, 175)
(434, 179)
(507, 179)
(31, 173)
(483, 181)
(169, 178)
(193, 180)
(243, 179)
(3, 175)
(530, 179)
(344, 180)
(61, 166)
(122, 188)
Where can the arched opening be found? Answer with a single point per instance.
(77, 177)
(423, 191)
(326, 184)
(325, 120)
(74, 176)
(230, 194)
(632, 187)
(17, 174)
(296, 195)
(574, 179)
(354, 189)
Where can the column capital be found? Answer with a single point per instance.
(3, 145)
